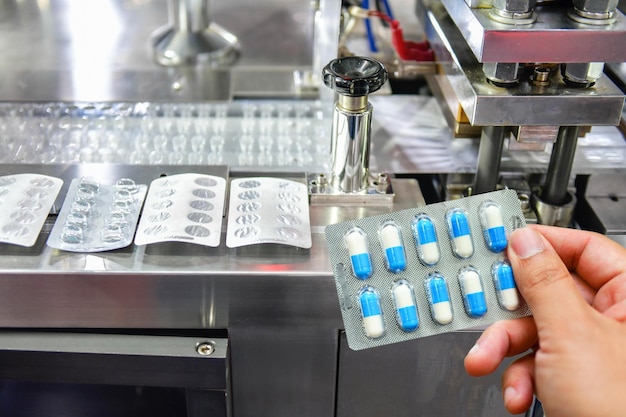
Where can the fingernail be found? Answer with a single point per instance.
(473, 350)
(526, 242)
(509, 394)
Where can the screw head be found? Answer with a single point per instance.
(205, 348)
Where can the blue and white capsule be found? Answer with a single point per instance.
(506, 289)
(473, 293)
(371, 313)
(439, 298)
(460, 233)
(390, 238)
(358, 249)
(493, 226)
(406, 307)
(426, 240)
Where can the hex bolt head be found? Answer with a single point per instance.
(515, 6)
(583, 74)
(596, 6)
(502, 74)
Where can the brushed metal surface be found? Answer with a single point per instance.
(419, 378)
(179, 286)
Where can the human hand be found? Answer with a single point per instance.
(575, 285)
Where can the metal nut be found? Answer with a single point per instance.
(515, 6)
(596, 6)
(584, 74)
(501, 73)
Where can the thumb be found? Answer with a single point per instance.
(543, 280)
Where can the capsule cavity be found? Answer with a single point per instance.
(493, 226)
(506, 289)
(426, 240)
(393, 248)
(356, 242)
(371, 313)
(406, 307)
(460, 234)
(473, 293)
(438, 298)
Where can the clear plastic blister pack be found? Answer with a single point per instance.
(183, 208)
(96, 217)
(26, 200)
(268, 210)
(426, 270)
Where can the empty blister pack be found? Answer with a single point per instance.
(268, 210)
(183, 208)
(97, 217)
(26, 200)
(426, 270)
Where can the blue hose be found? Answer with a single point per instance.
(371, 40)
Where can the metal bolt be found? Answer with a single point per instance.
(514, 6)
(205, 348)
(596, 6)
(501, 74)
(382, 182)
(583, 74)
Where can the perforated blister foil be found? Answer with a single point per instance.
(96, 217)
(268, 210)
(381, 280)
(183, 208)
(25, 201)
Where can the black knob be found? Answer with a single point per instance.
(354, 76)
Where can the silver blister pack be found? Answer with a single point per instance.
(268, 210)
(26, 200)
(426, 270)
(97, 217)
(183, 208)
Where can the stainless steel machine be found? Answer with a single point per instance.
(149, 88)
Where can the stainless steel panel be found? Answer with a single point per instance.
(419, 378)
(554, 37)
(488, 105)
(179, 285)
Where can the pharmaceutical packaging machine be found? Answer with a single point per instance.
(526, 95)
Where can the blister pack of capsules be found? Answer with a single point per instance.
(25, 202)
(268, 210)
(426, 270)
(183, 208)
(96, 217)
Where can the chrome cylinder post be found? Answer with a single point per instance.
(350, 149)
(353, 78)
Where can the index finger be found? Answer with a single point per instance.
(594, 257)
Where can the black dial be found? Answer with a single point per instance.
(354, 76)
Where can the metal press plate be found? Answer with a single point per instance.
(525, 104)
(554, 37)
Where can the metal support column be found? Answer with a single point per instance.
(557, 178)
(489, 155)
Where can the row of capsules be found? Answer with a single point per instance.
(429, 253)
